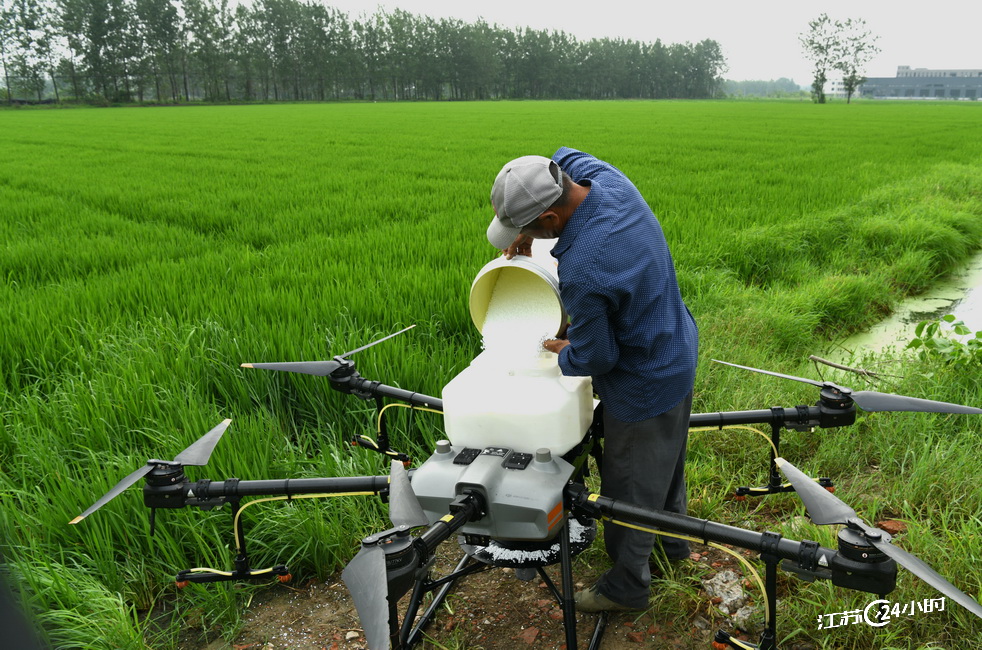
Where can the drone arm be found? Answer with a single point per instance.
(802, 416)
(805, 557)
(293, 486)
(207, 493)
(469, 506)
(358, 386)
(702, 529)
(821, 415)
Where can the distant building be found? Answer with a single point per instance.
(921, 83)
(835, 88)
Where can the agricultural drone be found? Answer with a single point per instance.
(527, 508)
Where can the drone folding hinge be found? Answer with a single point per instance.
(804, 422)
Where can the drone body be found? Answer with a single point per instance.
(523, 491)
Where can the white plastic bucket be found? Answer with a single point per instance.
(517, 269)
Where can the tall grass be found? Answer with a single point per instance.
(147, 252)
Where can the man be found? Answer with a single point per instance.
(629, 330)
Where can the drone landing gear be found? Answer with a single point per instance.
(189, 575)
(413, 634)
(768, 638)
(775, 484)
(242, 570)
(478, 559)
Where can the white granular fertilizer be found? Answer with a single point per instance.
(522, 313)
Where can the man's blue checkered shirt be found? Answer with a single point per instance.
(629, 328)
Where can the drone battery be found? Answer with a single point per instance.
(523, 493)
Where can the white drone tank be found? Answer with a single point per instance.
(513, 394)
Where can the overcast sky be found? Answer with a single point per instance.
(759, 37)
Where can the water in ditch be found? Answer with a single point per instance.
(960, 295)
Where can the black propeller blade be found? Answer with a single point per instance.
(197, 454)
(113, 493)
(365, 578)
(825, 508)
(319, 368)
(920, 569)
(872, 401)
(316, 368)
(775, 374)
(404, 507)
(384, 338)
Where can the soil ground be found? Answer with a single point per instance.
(491, 610)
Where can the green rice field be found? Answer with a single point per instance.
(145, 253)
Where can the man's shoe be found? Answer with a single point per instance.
(591, 601)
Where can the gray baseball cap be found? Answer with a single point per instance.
(523, 189)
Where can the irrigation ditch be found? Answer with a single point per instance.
(960, 295)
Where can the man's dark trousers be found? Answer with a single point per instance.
(643, 464)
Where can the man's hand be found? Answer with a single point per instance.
(555, 345)
(521, 246)
(563, 330)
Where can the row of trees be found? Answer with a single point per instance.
(838, 46)
(782, 87)
(185, 50)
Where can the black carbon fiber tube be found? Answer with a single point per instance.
(701, 529)
(207, 489)
(778, 416)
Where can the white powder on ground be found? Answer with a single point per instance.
(523, 312)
